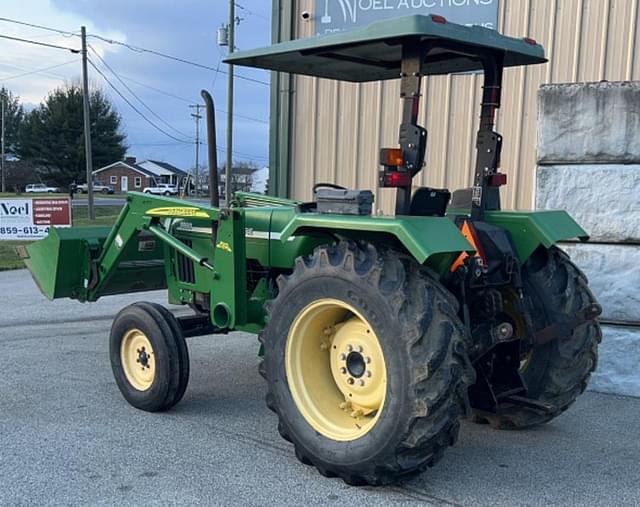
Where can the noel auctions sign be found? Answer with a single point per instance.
(31, 218)
(338, 15)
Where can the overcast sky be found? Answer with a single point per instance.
(186, 29)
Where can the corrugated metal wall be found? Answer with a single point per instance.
(338, 128)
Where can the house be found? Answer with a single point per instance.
(164, 172)
(245, 179)
(129, 175)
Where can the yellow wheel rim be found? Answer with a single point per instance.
(336, 370)
(138, 359)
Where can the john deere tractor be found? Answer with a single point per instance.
(377, 333)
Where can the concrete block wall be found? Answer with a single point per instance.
(589, 164)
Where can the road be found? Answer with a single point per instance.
(68, 437)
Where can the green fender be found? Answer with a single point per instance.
(435, 241)
(531, 229)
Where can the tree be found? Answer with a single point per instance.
(13, 116)
(53, 136)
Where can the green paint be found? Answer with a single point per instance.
(373, 53)
(531, 229)
(417, 234)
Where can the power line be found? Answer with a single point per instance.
(18, 39)
(139, 49)
(158, 128)
(184, 99)
(37, 71)
(136, 96)
(251, 13)
(41, 27)
(222, 149)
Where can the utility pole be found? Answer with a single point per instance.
(4, 99)
(197, 116)
(87, 125)
(227, 171)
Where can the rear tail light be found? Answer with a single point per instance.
(439, 19)
(394, 178)
(497, 180)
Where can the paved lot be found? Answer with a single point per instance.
(67, 436)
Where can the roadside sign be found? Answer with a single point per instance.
(31, 218)
(337, 15)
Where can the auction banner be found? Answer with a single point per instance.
(337, 15)
(31, 218)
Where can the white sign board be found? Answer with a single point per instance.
(31, 218)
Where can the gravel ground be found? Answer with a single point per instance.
(68, 437)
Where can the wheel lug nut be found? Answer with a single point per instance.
(361, 382)
(369, 373)
(343, 357)
(367, 359)
(350, 381)
(349, 348)
(360, 349)
(343, 371)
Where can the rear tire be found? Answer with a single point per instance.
(558, 371)
(420, 354)
(149, 357)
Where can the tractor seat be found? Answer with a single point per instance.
(429, 202)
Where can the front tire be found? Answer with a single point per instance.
(557, 372)
(366, 364)
(149, 357)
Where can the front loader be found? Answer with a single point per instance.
(377, 333)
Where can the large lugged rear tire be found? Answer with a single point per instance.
(366, 363)
(557, 372)
(149, 356)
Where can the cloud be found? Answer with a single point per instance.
(185, 29)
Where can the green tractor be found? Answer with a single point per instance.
(377, 333)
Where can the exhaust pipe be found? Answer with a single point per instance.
(212, 150)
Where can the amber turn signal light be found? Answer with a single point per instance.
(391, 157)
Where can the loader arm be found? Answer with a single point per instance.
(139, 254)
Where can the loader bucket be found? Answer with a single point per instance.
(60, 263)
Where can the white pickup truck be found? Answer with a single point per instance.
(41, 187)
(97, 188)
(162, 189)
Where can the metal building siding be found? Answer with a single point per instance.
(338, 128)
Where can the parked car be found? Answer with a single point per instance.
(161, 189)
(41, 187)
(97, 188)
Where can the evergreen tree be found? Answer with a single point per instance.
(53, 135)
(13, 116)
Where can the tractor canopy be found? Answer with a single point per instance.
(374, 53)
